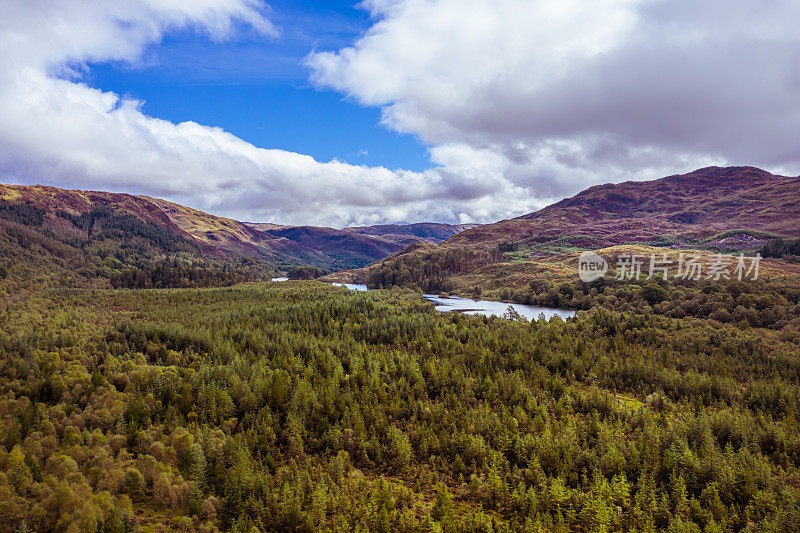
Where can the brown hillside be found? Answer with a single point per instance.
(715, 209)
(682, 209)
(327, 248)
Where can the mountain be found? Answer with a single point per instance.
(333, 248)
(81, 229)
(51, 237)
(225, 235)
(60, 211)
(408, 233)
(357, 246)
(714, 208)
(680, 209)
(129, 239)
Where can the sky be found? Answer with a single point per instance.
(391, 111)
(258, 88)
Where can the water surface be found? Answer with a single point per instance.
(469, 306)
(352, 286)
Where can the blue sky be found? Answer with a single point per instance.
(256, 87)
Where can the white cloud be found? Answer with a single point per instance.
(521, 101)
(57, 130)
(554, 95)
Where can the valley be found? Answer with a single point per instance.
(399, 266)
(154, 378)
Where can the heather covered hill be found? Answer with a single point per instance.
(335, 248)
(80, 216)
(71, 212)
(50, 202)
(225, 234)
(681, 209)
(54, 238)
(736, 209)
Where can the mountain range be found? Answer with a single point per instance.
(714, 209)
(58, 212)
(114, 234)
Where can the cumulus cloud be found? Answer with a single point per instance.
(521, 102)
(554, 95)
(55, 129)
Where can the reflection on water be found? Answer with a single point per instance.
(490, 307)
(480, 307)
(352, 286)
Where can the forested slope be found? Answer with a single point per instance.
(77, 217)
(104, 247)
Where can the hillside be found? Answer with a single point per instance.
(91, 236)
(357, 246)
(224, 234)
(676, 210)
(407, 233)
(53, 238)
(336, 248)
(716, 209)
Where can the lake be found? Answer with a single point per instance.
(352, 286)
(469, 306)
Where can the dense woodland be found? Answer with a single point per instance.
(428, 270)
(788, 249)
(104, 248)
(299, 406)
(771, 303)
